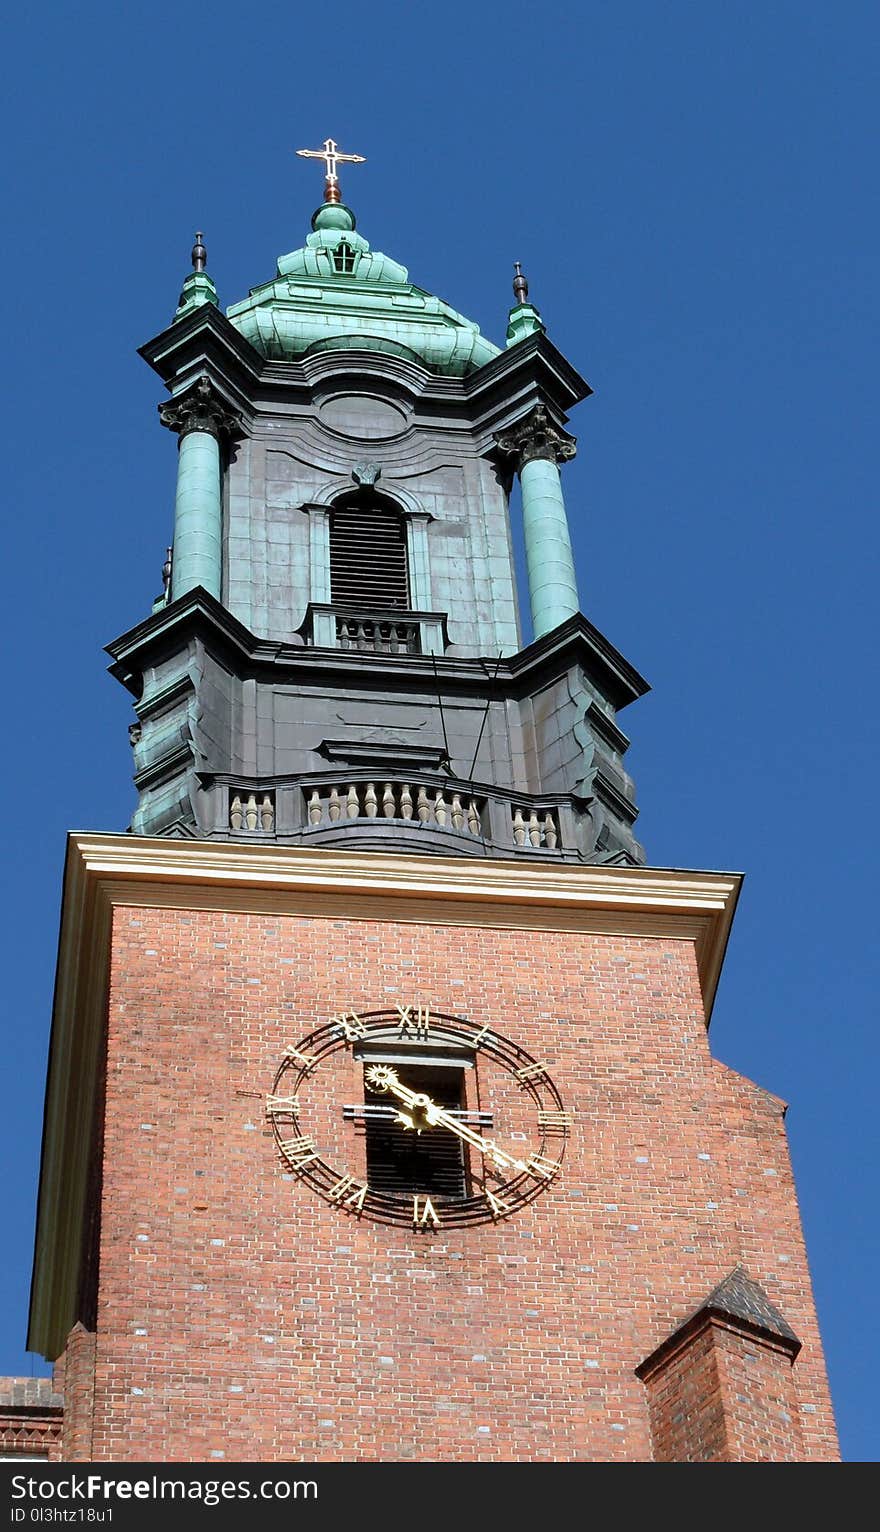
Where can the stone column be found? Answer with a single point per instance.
(200, 418)
(537, 447)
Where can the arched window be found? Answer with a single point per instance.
(343, 258)
(368, 554)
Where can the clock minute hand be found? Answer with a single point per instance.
(383, 1078)
(486, 1146)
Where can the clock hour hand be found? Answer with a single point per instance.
(423, 1112)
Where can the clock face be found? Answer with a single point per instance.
(416, 1117)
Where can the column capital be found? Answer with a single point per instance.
(536, 437)
(200, 408)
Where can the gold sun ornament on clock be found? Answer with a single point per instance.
(413, 1116)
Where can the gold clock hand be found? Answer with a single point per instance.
(383, 1078)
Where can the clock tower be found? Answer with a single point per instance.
(381, 1122)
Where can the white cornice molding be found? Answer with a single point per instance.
(518, 881)
(107, 870)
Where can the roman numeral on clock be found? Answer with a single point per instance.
(351, 1025)
(554, 1122)
(281, 1106)
(499, 1207)
(542, 1167)
(305, 1060)
(414, 1025)
(298, 1151)
(349, 1193)
(530, 1071)
(424, 1213)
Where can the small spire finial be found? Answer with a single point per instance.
(520, 285)
(199, 254)
(332, 156)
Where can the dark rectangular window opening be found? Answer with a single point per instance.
(400, 1160)
(368, 554)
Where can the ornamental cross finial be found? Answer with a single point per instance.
(332, 156)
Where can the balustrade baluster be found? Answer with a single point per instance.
(352, 807)
(440, 807)
(551, 834)
(236, 814)
(316, 808)
(371, 803)
(334, 806)
(423, 808)
(474, 823)
(457, 812)
(267, 813)
(519, 828)
(406, 803)
(534, 828)
(388, 801)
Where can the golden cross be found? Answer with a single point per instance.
(332, 157)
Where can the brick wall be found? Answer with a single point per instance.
(30, 1419)
(79, 1395)
(722, 1392)
(760, 1404)
(687, 1408)
(239, 1315)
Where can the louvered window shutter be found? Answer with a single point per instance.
(399, 1160)
(368, 556)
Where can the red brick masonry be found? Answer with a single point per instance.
(30, 1419)
(239, 1315)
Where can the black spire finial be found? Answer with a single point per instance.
(199, 255)
(520, 285)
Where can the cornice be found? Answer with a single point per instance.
(627, 900)
(485, 401)
(536, 357)
(575, 641)
(204, 342)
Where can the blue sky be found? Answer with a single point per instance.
(691, 189)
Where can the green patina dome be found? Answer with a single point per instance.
(337, 294)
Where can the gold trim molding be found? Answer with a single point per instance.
(103, 871)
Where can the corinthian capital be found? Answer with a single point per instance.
(199, 409)
(535, 436)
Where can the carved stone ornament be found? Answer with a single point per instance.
(366, 474)
(200, 409)
(536, 437)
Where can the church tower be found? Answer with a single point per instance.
(381, 1121)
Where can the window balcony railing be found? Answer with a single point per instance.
(379, 630)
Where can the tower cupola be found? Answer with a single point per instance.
(338, 655)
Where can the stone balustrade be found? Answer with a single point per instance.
(378, 635)
(424, 805)
(428, 812)
(252, 811)
(374, 630)
(535, 827)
